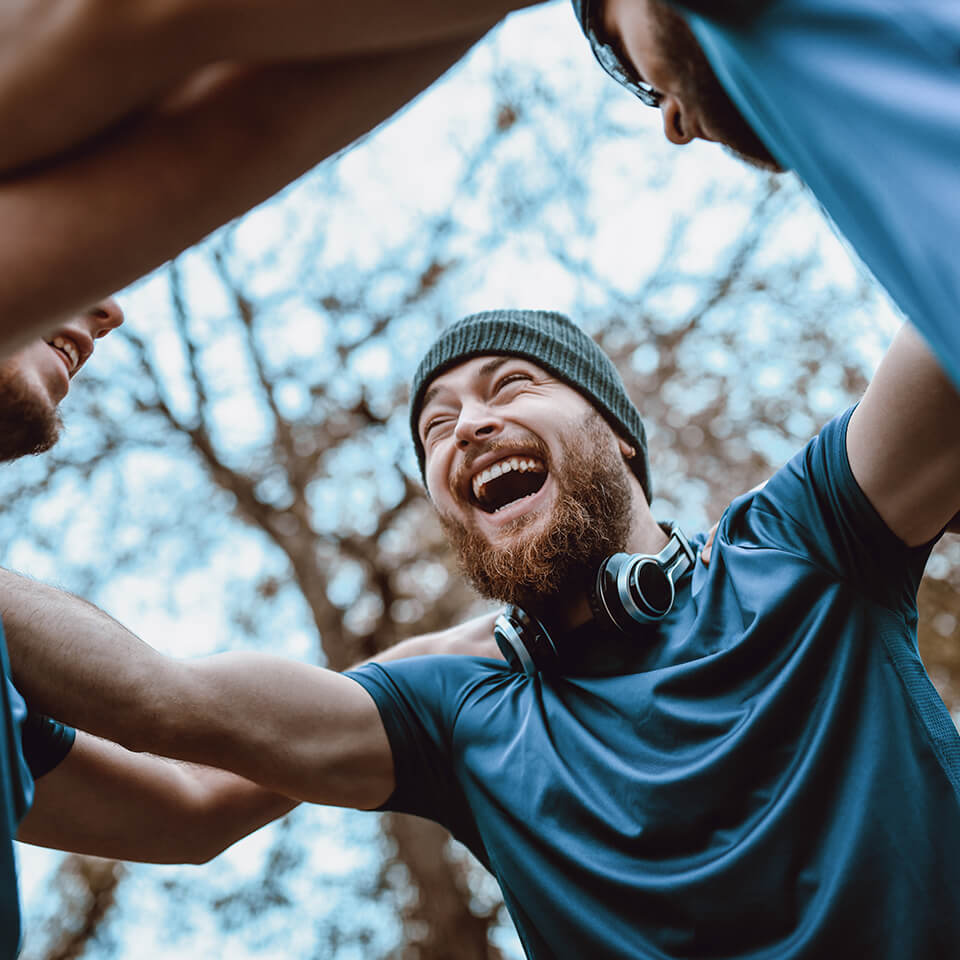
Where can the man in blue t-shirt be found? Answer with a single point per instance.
(860, 97)
(740, 760)
(66, 789)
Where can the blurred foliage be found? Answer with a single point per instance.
(237, 470)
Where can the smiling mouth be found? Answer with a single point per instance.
(68, 351)
(507, 481)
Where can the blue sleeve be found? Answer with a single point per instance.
(418, 700)
(813, 507)
(722, 11)
(862, 99)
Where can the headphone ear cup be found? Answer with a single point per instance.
(507, 631)
(605, 600)
(525, 642)
(640, 587)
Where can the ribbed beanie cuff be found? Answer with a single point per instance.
(551, 341)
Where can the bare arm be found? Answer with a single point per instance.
(105, 801)
(87, 225)
(71, 69)
(904, 442)
(471, 638)
(300, 730)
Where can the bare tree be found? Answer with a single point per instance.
(268, 401)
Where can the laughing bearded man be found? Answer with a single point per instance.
(740, 760)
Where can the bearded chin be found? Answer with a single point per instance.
(27, 425)
(590, 520)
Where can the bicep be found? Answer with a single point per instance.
(301, 730)
(903, 442)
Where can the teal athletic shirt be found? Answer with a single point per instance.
(30, 746)
(862, 99)
(16, 795)
(775, 776)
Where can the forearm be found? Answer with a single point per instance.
(68, 71)
(105, 801)
(143, 194)
(74, 662)
(300, 730)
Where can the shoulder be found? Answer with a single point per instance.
(795, 502)
(435, 684)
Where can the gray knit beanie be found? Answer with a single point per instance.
(551, 341)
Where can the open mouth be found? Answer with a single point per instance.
(68, 352)
(507, 481)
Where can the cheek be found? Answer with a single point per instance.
(435, 477)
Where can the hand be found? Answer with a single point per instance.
(708, 546)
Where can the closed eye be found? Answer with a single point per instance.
(510, 378)
(434, 422)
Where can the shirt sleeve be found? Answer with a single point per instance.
(862, 99)
(418, 700)
(45, 743)
(814, 507)
(722, 11)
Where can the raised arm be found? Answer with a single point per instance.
(300, 730)
(904, 442)
(105, 801)
(97, 219)
(70, 70)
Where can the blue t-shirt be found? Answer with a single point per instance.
(16, 795)
(862, 99)
(776, 777)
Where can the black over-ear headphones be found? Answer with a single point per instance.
(629, 589)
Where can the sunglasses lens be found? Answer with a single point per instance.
(612, 63)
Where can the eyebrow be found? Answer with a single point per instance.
(485, 371)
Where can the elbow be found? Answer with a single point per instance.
(205, 850)
(200, 835)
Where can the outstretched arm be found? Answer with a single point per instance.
(903, 442)
(70, 70)
(95, 220)
(300, 730)
(105, 801)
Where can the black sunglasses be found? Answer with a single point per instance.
(613, 60)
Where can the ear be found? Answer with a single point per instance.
(626, 450)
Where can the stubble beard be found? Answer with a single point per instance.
(27, 424)
(699, 84)
(590, 520)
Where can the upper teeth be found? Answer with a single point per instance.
(500, 468)
(70, 349)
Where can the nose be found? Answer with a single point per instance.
(103, 317)
(475, 424)
(674, 128)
